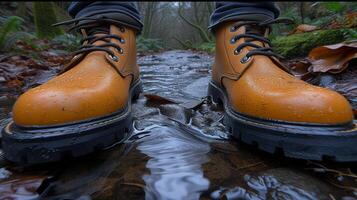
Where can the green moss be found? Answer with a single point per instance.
(299, 45)
(148, 44)
(45, 16)
(208, 47)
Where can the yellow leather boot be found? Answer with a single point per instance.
(268, 107)
(84, 109)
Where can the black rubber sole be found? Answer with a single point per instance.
(35, 145)
(295, 140)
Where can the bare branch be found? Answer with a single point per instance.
(202, 32)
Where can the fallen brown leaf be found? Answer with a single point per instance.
(21, 188)
(332, 58)
(299, 68)
(351, 19)
(303, 28)
(163, 100)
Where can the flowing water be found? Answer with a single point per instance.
(179, 150)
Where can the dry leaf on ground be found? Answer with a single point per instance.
(332, 58)
(351, 19)
(303, 28)
(299, 68)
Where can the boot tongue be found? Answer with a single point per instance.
(98, 30)
(255, 30)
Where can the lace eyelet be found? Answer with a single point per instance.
(245, 59)
(122, 29)
(233, 40)
(119, 50)
(236, 52)
(233, 28)
(122, 41)
(114, 58)
(75, 57)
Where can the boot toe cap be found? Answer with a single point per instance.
(319, 106)
(315, 105)
(48, 106)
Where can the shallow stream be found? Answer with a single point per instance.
(179, 150)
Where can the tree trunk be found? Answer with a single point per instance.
(21, 10)
(302, 12)
(150, 9)
(201, 31)
(44, 16)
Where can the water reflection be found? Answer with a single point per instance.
(175, 164)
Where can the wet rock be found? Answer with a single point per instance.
(326, 80)
(176, 112)
(194, 57)
(276, 184)
(283, 183)
(198, 88)
(4, 173)
(346, 84)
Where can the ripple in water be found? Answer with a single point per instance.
(175, 164)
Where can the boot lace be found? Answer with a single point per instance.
(89, 46)
(253, 36)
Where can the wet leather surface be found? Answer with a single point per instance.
(261, 88)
